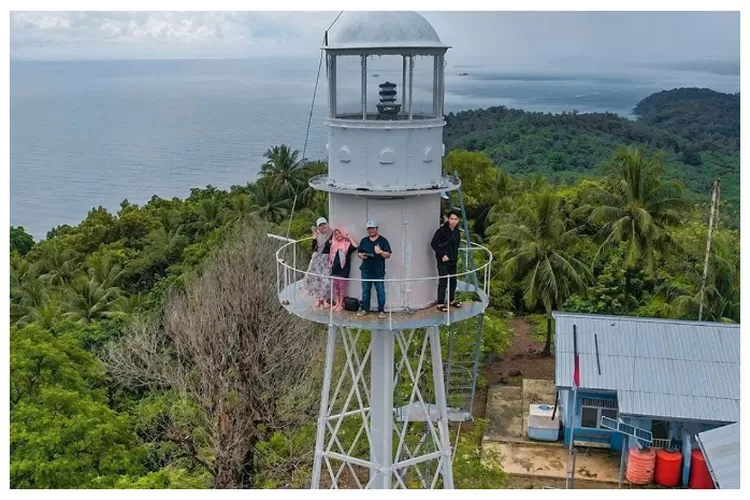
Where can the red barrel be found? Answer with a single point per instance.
(640, 465)
(668, 468)
(700, 478)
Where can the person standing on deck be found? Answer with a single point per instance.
(445, 243)
(317, 282)
(373, 250)
(342, 247)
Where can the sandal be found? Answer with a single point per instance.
(442, 308)
(456, 304)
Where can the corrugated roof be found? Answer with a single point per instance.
(660, 368)
(721, 448)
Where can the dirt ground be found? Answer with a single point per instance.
(522, 360)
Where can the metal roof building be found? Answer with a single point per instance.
(721, 448)
(673, 369)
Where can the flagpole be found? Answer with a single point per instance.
(569, 477)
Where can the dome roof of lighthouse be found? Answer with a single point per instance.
(383, 29)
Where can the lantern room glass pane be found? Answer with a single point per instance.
(423, 104)
(349, 87)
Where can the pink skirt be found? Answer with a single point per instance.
(339, 286)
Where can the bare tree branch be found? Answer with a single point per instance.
(228, 347)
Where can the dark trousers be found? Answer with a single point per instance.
(367, 288)
(444, 269)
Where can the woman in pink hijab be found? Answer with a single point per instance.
(342, 246)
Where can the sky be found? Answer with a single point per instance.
(519, 40)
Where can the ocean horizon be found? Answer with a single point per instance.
(93, 133)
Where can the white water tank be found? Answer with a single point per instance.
(542, 427)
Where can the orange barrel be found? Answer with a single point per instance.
(641, 464)
(700, 478)
(668, 468)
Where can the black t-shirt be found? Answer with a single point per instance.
(373, 265)
(338, 269)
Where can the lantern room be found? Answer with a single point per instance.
(385, 74)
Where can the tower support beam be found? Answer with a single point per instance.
(381, 414)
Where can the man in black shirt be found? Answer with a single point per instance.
(445, 243)
(373, 250)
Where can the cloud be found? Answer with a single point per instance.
(512, 39)
(167, 33)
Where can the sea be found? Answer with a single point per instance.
(93, 133)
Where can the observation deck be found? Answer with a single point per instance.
(291, 270)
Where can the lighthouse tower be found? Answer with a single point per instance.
(384, 411)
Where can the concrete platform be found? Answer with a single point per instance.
(551, 460)
(504, 414)
(300, 304)
(508, 409)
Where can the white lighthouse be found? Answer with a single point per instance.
(384, 378)
(385, 140)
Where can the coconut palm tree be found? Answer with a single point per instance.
(534, 242)
(45, 315)
(633, 205)
(59, 265)
(105, 270)
(722, 298)
(269, 203)
(283, 168)
(240, 207)
(211, 213)
(632, 208)
(90, 300)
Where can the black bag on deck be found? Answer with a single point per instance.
(351, 304)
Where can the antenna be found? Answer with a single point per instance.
(715, 193)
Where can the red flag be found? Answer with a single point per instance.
(576, 367)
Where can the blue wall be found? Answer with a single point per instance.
(572, 418)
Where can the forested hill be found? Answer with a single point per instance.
(698, 129)
(696, 114)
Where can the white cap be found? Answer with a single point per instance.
(321, 220)
(371, 223)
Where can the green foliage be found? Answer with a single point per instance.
(63, 435)
(20, 241)
(633, 206)
(286, 458)
(696, 114)
(168, 478)
(473, 467)
(692, 126)
(534, 245)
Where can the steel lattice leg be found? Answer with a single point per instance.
(442, 404)
(322, 418)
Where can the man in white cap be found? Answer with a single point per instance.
(373, 250)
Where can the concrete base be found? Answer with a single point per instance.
(550, 461)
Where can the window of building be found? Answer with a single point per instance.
(590, 417)
(593, 409)
(660, 429)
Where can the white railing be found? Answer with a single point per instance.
(288, 273)
(665, 444)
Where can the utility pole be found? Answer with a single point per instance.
(715, 193)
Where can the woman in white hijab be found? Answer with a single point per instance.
(319, 286)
